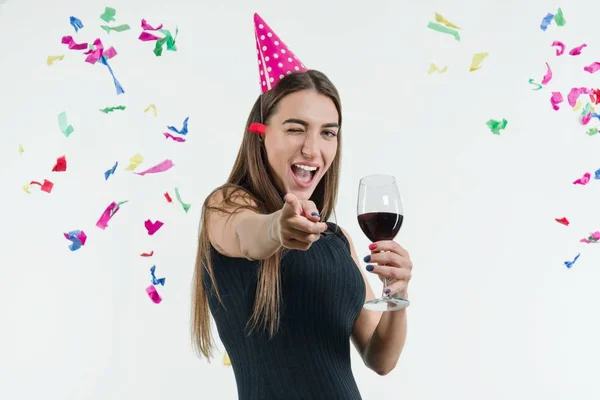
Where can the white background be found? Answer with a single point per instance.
(495, 313)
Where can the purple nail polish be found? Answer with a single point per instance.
(388, 290)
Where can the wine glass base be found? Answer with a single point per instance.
(386, 303)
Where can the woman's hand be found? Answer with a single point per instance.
(299, 224)
(390, 261)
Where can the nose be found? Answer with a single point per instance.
(310, 148)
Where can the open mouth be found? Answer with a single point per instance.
(304, 174)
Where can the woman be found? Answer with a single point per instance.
(285, 289)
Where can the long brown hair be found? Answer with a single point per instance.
(251, 179)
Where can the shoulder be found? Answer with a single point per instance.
(335, 229)
(230, 195)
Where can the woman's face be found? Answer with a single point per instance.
(301, 141)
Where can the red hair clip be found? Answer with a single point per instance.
(257, 127)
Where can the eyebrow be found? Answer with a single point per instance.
(305, 124)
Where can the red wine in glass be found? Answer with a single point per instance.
(380, 217)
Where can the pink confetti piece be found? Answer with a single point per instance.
(588, 241)
(68, 40)
(153, 294)
(548, 75)
(561, 47)
(596, 235)
(586, 119)
(162, 167)
(574, 94)
(175, 138)
(556, 99)
(152, 227)
(593, 67)
(575, 51)
(147, 37)
(147, 27)
(562, 220)
(107, 215)
(98, 51)
(583, 180)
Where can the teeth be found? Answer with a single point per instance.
(305, 167)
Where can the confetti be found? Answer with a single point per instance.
(433, 68)
(61, 164)
(106, 110)
(546, 21)
(577, 105)
(592, 131)
(561, 47)
(184, 128)
(107, 215)
(556, 99)
(64, 126)
(151, 107)
(559, 18)
(147, 37)
(147, 27)
(76, 23)
(168, 40)
(592, 238)
(147, 254)
(26, 188)
(569, 264)
(161, 167)
(50, 60)
(118, 86)
(152, 227)
(118, 28)
(477, 60)
(160, 281)
(548, 75)
(68, 40)
(443, 29)
(496, 126)
(97, 52)
(21, 150)
(583, 180)
(108, 15)
(169, 199)
(593, 67)
(135, 161)
(563, 221)
(597, 174)
(537, 85)
(111, 171)
(175, 138)
(114, 210)
(575, 51)
(153, 294)
(574, 94)
(226, 360)
(186, 207)
(442, 20)
(77, 239)
(45, 187)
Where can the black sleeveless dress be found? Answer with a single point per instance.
(309, 358)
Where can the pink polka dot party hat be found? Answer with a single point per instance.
(275, 60)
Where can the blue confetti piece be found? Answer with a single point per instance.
(77, 239)
(155, 281)
(76, 23)
(597, 174)
(110, 171)
(546, 21)
(117, 84)
(184, 129)
(569, 264)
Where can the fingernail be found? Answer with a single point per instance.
(367, 258)
(372, 246)
(315, 214)
(370, 268)
(387, 291)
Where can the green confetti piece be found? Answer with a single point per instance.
(592, 131)
(586, 110)
(64, 125)
(186, 207)
(559, 18)
(444, 29)
(539, 87)
(114, 210)
(111, 109)
(119, 28)
(495, 126)
(169, 40)
(108, 15)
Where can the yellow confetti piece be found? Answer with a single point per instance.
(153, 107)
(51, 59)
(21, 149)
(442, 20)
(226, 360)
(477, 59)
(135, 162)
(433, 68)
(26, 188)
(577, 105)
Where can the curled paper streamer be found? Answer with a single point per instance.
(152, 227)
(561, 47)
(160, 281)
(548, 75)
(118, 86)
(61, 164)
(496, 126)
(175, 138)
(77, 239)
(50, 60)
(153, 294)
(477, 60)
(111, 109)
(186, 207)
(111, 171)
(433, 68)
(147, 254)
(64, 126)
(444, 29)
(161, 167)
(593, 67)
(442, 20)
(546, 21)
(135, 161)
(537, 85)
(168, 40)
(569, 264)
(68, 40)
(151, 107)
(44, 187)
(76, 23)
(583, 180)
(563, 221)
(556, 99)
(147, 27)
(184, 128)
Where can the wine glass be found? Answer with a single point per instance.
(380, 217)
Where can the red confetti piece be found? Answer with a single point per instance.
(563, 221)
(169, 199)
(61, 164)
(46, 186)
(147, 254)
